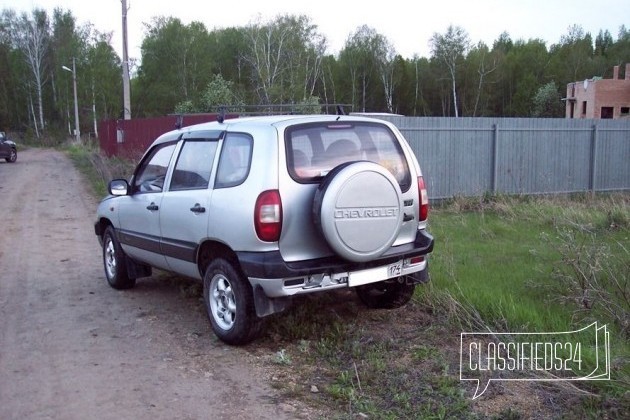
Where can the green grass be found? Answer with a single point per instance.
(494, 265)
(516, 263)
(502, 259)
(497, 265)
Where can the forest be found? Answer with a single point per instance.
(186, 68)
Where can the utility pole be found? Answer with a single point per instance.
(125, 65)
(77, 133)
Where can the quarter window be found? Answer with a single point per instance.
(235, 160)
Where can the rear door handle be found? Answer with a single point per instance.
(152, 207)
(198, 209)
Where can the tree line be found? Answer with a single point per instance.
(284, 60)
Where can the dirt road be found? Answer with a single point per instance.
(73, 348)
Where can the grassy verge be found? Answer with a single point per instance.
(500, 263)
(541, 265)
(98, 169)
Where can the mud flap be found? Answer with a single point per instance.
(267, 306)
(136, 270)
(419, 277)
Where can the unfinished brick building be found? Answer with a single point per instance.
(600, 98)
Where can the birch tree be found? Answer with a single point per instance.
(367, 55)
(450, 48)
(386, 54)
(481, 61)
(285, 58)
(32, 38)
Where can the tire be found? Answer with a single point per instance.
(12, 157)
(358, 210)
(389, 294)
(230, 303)
(115, 262)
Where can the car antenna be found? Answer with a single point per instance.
(221, 114)
(340, 111)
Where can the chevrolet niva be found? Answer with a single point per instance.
(261, 209)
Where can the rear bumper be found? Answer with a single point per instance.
(277, 277)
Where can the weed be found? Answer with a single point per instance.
(594, 278)
(97, 168)
(282, 358)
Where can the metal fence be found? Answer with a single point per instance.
(472, 156)
(130, 138)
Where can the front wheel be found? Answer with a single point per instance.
(12, 157)
(115, 262)
(388, 294)
(230, 303)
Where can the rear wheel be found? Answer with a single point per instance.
(388, 294)
(115, 262)
(230, 303)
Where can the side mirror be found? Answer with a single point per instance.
(118, 187)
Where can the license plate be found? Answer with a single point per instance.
(394, 270)
(373, 275)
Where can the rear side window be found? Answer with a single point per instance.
(313, 150)
(194, 164)
(235, 160)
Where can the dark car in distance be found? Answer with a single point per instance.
(8, 149)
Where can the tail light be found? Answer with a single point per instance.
(424, 200)
(268, 216)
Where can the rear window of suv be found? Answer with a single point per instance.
(313, 150)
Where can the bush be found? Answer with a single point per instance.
(593, 277)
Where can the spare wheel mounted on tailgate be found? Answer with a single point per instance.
(358, 210)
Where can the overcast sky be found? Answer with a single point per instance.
(407, 24)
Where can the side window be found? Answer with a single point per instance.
(192, 170)
(236, 156)
(150, 176)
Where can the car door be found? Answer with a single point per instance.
(185, 206)
(139, 212)
(4, 148)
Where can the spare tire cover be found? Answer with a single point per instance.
(358, 209)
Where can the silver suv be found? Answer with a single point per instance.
(265, 208)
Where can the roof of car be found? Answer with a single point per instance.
(267, 120)
(275, 119)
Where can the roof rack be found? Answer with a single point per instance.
(222, 111)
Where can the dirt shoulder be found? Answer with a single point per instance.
(72, 347)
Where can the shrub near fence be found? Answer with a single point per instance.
(474, 156)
